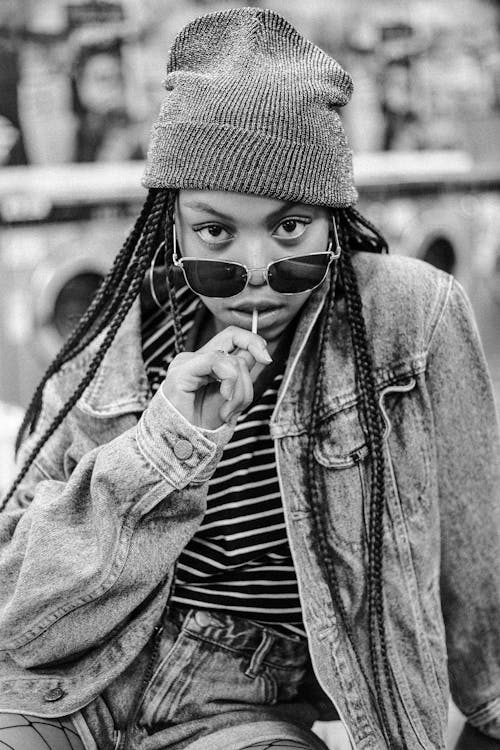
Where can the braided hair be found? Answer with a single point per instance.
(352, 228)
(109, 308)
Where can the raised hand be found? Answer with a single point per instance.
(215, 384)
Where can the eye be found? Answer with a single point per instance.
(213, 234)
(291, 228)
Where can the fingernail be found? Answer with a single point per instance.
(267, 356)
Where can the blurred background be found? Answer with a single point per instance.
(81, 82)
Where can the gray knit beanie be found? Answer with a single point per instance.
(250, 108)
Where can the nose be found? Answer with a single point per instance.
(257, 258)
(257, 276)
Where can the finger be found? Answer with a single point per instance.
(232, 371)
(233, 338)
(249, 360)
(242, 394)
(225, 370)
(220, 365)
(232, 389)
(243, 391)
(247, 382)
(191, 372)
(245, 356)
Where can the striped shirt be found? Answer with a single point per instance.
(239, 560)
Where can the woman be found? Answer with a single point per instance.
(264, 494)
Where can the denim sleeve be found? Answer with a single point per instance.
(80, 553)
(468, 453)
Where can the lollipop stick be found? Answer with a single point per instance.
(255, 318)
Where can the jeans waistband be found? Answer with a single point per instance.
(241, 635)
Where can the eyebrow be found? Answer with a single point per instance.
(200, 206)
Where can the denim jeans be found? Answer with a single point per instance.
(211, 682)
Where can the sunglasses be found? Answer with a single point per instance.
(220, 278)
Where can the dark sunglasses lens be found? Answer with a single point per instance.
(298, 274)
(213, 278)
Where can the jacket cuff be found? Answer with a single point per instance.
(487, 718)
(182, 453)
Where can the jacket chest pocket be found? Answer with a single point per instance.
(343, 462)
(341, 456)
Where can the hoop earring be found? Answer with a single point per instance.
(151, 278)
(174, 240)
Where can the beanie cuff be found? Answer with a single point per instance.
(212, 156)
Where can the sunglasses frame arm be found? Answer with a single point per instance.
(338, 249)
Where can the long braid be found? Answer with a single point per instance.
(316, 502)
(370, 430)
(140, 262)
(169, 268)
(316, 495)
(350, 225)
(88, 319)
(373, 429)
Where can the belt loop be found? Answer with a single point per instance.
(259, 654)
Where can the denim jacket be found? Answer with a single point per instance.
(88, 543)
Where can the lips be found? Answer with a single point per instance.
(259, 306)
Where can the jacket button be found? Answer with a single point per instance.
(183, 449)
(54, 694)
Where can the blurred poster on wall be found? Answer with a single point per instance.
(105, 130)
(77, 88)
